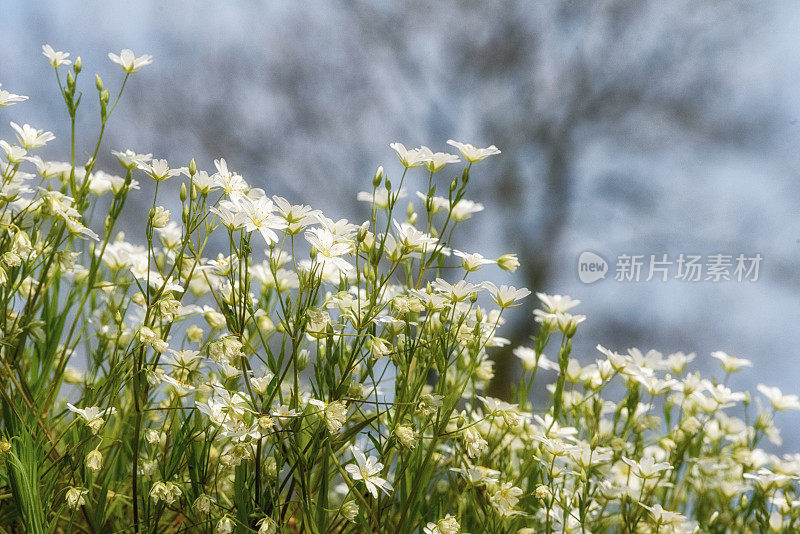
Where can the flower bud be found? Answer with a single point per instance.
(159, 217)
(302, 360)
(78, 66)
(362, 231)
(98, 82)
(192, 168)
(376, 180)
(224, 526)
(194, 334)
(94, 460)
(349, 511)
(271, 467)
(75, 497)
(406, 436)
(154, 377)
(152, 437)
(508, 262)
(265, 422)
(542, 492)
(202, 505)
(184, 192)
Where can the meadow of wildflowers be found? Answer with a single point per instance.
(251, 365)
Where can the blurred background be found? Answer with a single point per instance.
(627, 127)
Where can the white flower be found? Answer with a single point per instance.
(505, 498)
(367, 469)
(464, 209)
(458, 292)
(435, 204)
(678, 360)
(557, 303)
(477, 475)
(234, 185)
(334, 413)
(527, 356)
(765, 478)
(258, 215)
(224, 526)
(341, 229)
(329, 249)
(779, 400)
(647, 467)
(159, 170)
(230, 214)
(472, 262)
(508, 262)
(298, 216)
(382, 198)
(203, 182)
(664, 517)
(267, 525)
(77, 227)
(9, 99)
(446, 525)
(411, 238)
(100, 182)
(129, 62)
(412, 158)
(652, 384)
(731, 364)
(379, 347)
(75, 497)
(349, 510)
(56, 59)
(14, 154)
(29, 137)
(183, 358)
(202, 504)
(284, 414)
(181, 388)
(131, 160)
(473, 154)
(506, 296)
(509, 412)
(94, 460)
(406, 436)
(473, 442)
(439, 159)
(92, 416)
(721, 394)
(160, 217)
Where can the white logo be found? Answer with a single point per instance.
(591, 267)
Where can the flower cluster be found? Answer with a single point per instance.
(243, 363)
